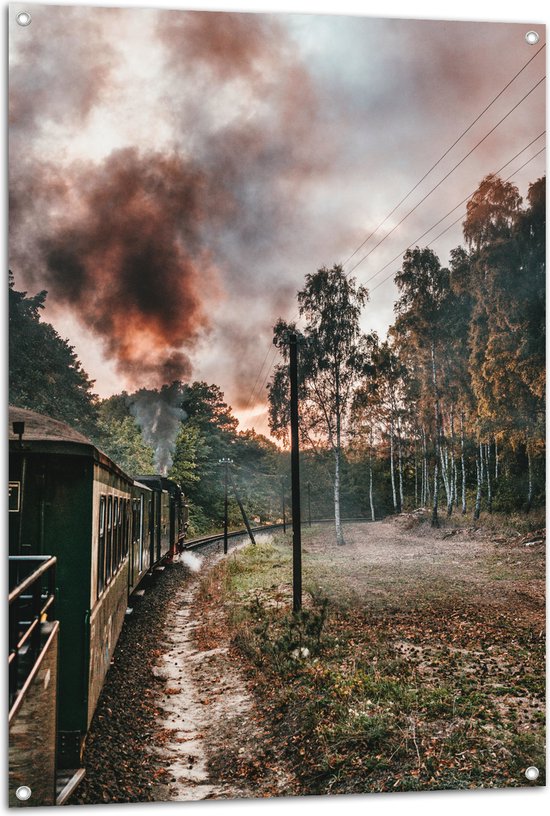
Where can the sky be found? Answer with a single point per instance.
(174, 175)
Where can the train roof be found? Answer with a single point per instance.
(142, 486)
(159, 482)
(45, 434)
(43, 428)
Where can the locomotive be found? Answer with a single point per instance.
(105, 531)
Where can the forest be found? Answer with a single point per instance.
(446, 412)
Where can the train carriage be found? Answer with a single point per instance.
(73, 504)
(107, 530)
(169, 514)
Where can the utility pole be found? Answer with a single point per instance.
(309, 502)
(284, 502)
(225, 463)
(295, 471)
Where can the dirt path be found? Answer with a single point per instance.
(208, 725)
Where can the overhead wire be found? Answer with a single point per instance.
(446, 153)
(464, 200)
(273, 349)
(446, 176)
(432, 227)
(260, 372)
(517, 170)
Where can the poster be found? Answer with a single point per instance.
(174, 177)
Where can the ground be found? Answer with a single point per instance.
(417, 663)
(424, 661)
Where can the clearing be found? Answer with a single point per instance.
(416, 664)
(424, 656)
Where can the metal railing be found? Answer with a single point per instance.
(31, 604)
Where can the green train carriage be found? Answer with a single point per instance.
(69, 500)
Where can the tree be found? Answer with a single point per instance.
(507, 328)
(45, 375)
(119, 436)
(380, 400)
(331, 361)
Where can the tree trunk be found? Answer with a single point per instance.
(488, 474)
(453, 476)
(529, 478)
(370, 480)
(455, 482)
(392, 473)
(463, 463)
(481, 463)
(337, 518)
(400, 464)
(479, 475)
(435, 518)
(415, 473)
(446, 478)
(425, 471)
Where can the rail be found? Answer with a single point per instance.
(31, 601)
(195, 543)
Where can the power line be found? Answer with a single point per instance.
(506, 179)
(454, 222)
(260, 372)
(400, 254)
(439, 183)
(464, 200)
(254, 391)
(446, 153)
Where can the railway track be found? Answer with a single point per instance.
(198, 543)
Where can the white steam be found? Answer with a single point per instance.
(159, 415)
(194, 562)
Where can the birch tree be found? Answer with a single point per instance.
(331, 362)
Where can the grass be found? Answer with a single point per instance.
(413, 693)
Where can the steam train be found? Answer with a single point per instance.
(105, 530)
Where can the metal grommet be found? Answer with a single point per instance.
(24, 18)
(532, 37)
(532, 773)
(23, 793)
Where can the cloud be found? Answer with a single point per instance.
(174, 175)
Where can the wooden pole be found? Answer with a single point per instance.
(295, 472)
(243, 512)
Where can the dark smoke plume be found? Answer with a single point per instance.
(144, 244)
(159, 414)
(130, 261)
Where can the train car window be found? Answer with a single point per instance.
(122, 533)
(120, 530)
(109, 543)
(134, 533)
(126, 528)
(101, 547)
(135, 524)
(141, 526)
(116, 533)
(129, 522)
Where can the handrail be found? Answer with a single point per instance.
(29, 602)
(48, 561)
